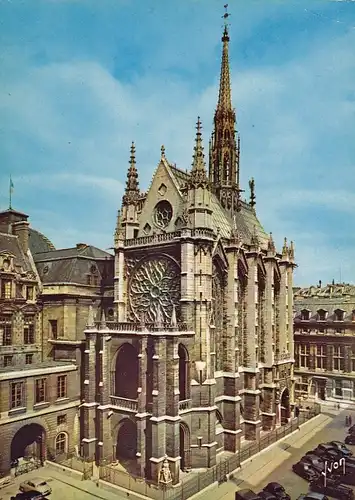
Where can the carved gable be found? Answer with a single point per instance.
(163, 204)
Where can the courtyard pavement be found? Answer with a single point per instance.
(275, 463)
(64, 487)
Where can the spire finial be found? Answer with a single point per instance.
(252, 192)
(162, 150)
(132, 184)
(198, 172)
(224, 97)
(291, 251)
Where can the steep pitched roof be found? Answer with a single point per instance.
(39, 243)
(246, 220)
(9, 243)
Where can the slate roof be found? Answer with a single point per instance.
(9, 243)
(35, 366)
(73, 265)
(245, 220)
(39, 243)
(330, 290)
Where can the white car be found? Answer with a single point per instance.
(36, 484)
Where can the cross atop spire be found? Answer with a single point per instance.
(198, 172)
(132, 184)
(224, 97)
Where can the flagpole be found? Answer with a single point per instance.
(10, 192)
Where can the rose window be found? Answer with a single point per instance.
(163, 213)
(154, 289)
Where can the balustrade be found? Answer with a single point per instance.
(124, 403)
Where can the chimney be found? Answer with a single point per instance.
(81, 246)
(20, 229)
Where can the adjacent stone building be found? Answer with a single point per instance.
(38, 396)
(324, 330)
(200, 353)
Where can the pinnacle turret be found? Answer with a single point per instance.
(132, 184)
(198, 171)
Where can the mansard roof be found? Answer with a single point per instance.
(39, 243)
(10, 244)
(73, 265)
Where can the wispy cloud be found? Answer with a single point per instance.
(72, 103)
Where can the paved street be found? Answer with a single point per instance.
(64, 487)
(275, 463)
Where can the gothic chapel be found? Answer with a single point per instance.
(198, 353)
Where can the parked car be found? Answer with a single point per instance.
(246, 495)
(277, 490)
(332, 488)
(312, 496)
(265, 495)
(351, 429)
(36, 484)
(350, 438)
(29, 495)
(314, 461)
(328, 449)
(304, 469)
(338, 445)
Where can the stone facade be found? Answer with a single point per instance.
(324, 330)
(199, 354)
(39, 397)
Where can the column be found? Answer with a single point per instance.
(89, 440)
(158, 428)
(142, 415)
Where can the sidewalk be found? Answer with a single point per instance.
(258, 467)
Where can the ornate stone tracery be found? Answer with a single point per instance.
(218, 313)
(163, 213)
(154, 289)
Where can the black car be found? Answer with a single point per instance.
(246, 495)
(332, 488)
(277, 490)
(29, 495)
(351, 429)
(327, 449)
(350, 438)
(305, 470)
(265, 495)
(314, 461)
(339, 446)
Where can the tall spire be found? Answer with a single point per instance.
(132, 184)
(224, 145)
(198, 171)
(224, 96)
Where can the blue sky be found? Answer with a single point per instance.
(81, 79)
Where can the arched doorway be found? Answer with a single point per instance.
(185, 450)
(29, 442)
(285, 406)
(127, 440)
(183, 372)
(126, 372)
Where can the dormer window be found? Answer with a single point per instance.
(305, 314)
(6, 289)
(322, 314)
(339, 315)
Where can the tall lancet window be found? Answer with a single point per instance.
(218, 305)
(226, 168)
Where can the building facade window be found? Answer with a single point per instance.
(61, 443)
(339, 315)
(17, 395)
(6, 289)
(40, 390)
(62, 386)
(6, 327)
(29, 359)
(61, 419)
(322, 315)
(305, 315)
(338, 387)
(8, 360)
(304, 353)
(29, 330)
(321, 356)
(53, 324)
(338, 358)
